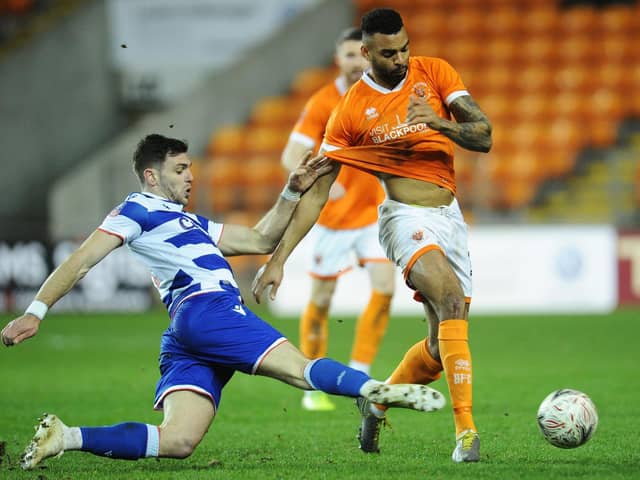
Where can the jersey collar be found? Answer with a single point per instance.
(168, 203)
(379, 88)
(341, 85)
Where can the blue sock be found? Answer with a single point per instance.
(333, 377)
(128, 441)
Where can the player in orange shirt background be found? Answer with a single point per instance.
(347, 228)
(401, 121)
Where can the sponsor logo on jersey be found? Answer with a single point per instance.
(417, 236)
(371, 113)
(186, 223)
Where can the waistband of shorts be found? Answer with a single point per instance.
(394, 203)
(221, 286)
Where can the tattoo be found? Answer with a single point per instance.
(472, 129)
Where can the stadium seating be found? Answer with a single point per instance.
(552, 80)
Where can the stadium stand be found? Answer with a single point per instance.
(553, 80)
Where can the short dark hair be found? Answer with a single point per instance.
(351, 33)
(381, 20)
(153, 149)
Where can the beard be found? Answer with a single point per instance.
(390, 77)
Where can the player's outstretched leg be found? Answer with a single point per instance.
(336, 378)
(47, 442)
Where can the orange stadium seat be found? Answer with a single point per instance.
(264, 170)
(224, 170)
(619, 19)
(260, 198)
(602, 132)
(577, 49)
(570, 106)
(428, 25)
(532, 106)
(618, 48)
(500, 50)
(574, 78)
(467, 23)
(533, 78)
(518, 193)
(499, 78)
(577, 20)
(222, 198)
(504, 20)
(539, 20)
(464, 51)
(310, 80)
(266, 139)
(540, 50)
(226, 140)
(281, 110)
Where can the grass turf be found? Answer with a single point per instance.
(102, 369)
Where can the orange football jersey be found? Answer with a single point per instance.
(358, 206)
(368, 128)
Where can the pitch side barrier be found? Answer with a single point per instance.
(516, 269)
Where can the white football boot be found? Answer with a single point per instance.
(47, 442)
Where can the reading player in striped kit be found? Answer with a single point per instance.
(397, 122)
(212, 333)
(347, 229)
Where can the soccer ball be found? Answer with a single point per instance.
(567, 418)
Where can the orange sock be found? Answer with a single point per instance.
(370, 328)
(417, 366)
(314, 331)
(456, 359)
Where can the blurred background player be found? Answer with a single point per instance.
(347, 227)
(398, 122)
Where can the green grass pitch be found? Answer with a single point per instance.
(102, 369)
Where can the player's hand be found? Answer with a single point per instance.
(269, 275)
(23, 327)
(419, 111)
(308, 171)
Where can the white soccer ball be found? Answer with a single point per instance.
(567, 418)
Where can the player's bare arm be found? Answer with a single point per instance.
(264, 236)
(471, 130)
(64, 278)
(303, 219)
(292, 154)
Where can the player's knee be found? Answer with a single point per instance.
(452, 305)
(180, 446)
(322, 295)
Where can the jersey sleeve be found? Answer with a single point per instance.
(449, 83)
(213, 229)
(338, 133)
(126, 221)
(309, 129)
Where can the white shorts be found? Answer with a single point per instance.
(336, 251)
(408, 231)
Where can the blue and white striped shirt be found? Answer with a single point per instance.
(179, 248)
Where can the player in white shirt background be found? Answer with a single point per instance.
(211, 334)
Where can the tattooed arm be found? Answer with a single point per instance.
(471, 129)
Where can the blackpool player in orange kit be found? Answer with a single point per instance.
(347, 228)
(401, 121)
